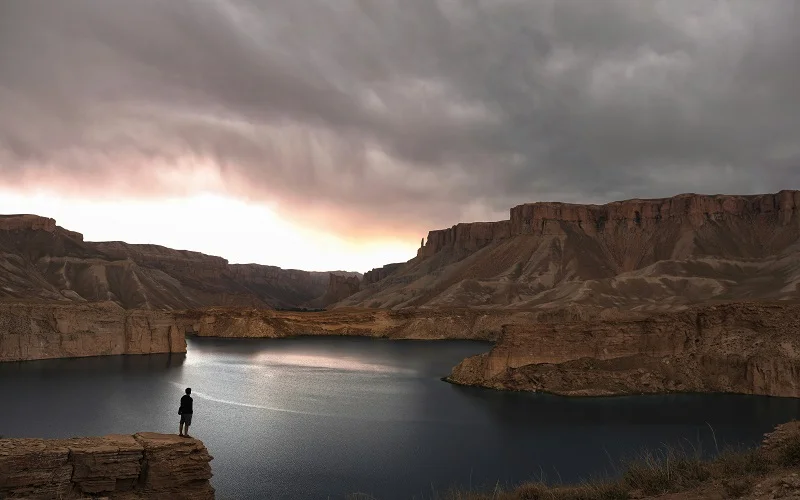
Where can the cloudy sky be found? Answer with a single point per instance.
(325, 134)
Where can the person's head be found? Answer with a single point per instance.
(188, 390)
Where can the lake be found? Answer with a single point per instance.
(326, 417)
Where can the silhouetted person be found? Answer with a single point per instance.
(185, 411)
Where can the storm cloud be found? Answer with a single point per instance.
(407, 113)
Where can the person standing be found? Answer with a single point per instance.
(185, 411)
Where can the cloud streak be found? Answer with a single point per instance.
(367, 115)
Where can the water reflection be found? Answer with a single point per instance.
(320, 417)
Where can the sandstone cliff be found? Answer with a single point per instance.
(44, 331)
(42, 261)
(637, 254)
(380, 273)
(422, 324)
(142, 466)
(405, 324)
(339, 288)
(749, 348)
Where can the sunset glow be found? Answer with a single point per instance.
(239, 231)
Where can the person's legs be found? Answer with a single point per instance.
(187, 419)
(180, 429)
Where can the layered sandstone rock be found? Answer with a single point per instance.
(397, 324)
(641, 254)
(142, 466)
(340, 287)
(44, 331)
(380, 273)
(27, 222)
(466, 237)
(42, 261)
(749, 348)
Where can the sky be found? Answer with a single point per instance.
(326, 135)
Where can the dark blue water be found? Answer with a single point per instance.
(327, 417)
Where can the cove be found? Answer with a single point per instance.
(325, 417)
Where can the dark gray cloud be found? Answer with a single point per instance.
(418, 112)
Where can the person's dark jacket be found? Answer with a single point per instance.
(186, 405)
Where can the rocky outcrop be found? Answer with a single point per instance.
(380, 273)
(401, 324)
(550, 217)
(641, 254)
(340, 287)
(25, 222)
(42, 261)
(465, 237)
(138, 467)
(748, 348)
(694, 209)
(45, 331)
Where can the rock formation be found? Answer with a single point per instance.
(380, 273)
(44, 331)
(639, 254)
(339, 288)
(42, 261)
(748, 348)
(404, 324)
(138, 467)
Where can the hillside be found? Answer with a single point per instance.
(40, 261)
(645, 255)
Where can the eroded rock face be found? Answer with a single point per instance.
(44, 262)
(746, 348)
(406, 324)
(379, 273)
(641, 254)
(340, 287)
(143, 466)
(465, 236)
(45, 331)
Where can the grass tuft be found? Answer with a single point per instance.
(789, 452)
(669, 470)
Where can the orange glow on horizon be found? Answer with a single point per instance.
(239, 231)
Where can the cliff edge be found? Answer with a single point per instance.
(44, 331)
(139, 467)
(745, 348)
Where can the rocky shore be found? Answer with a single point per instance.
(747, 348)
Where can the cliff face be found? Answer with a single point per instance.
(465, 237)
(44, 331)
(142, 466)
(407, 324)
(640, 254)
(747, 348)
(340, 287)
(42, 261)
(380, 273)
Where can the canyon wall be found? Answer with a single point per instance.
(340, 287)
(655, 255)
(422, 324)
(139, 467)
(45, 331)
(749, 348)
(42, 261)
(554, 218)
(379, 273)
(466, 237)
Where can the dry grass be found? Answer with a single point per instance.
(669, 470)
